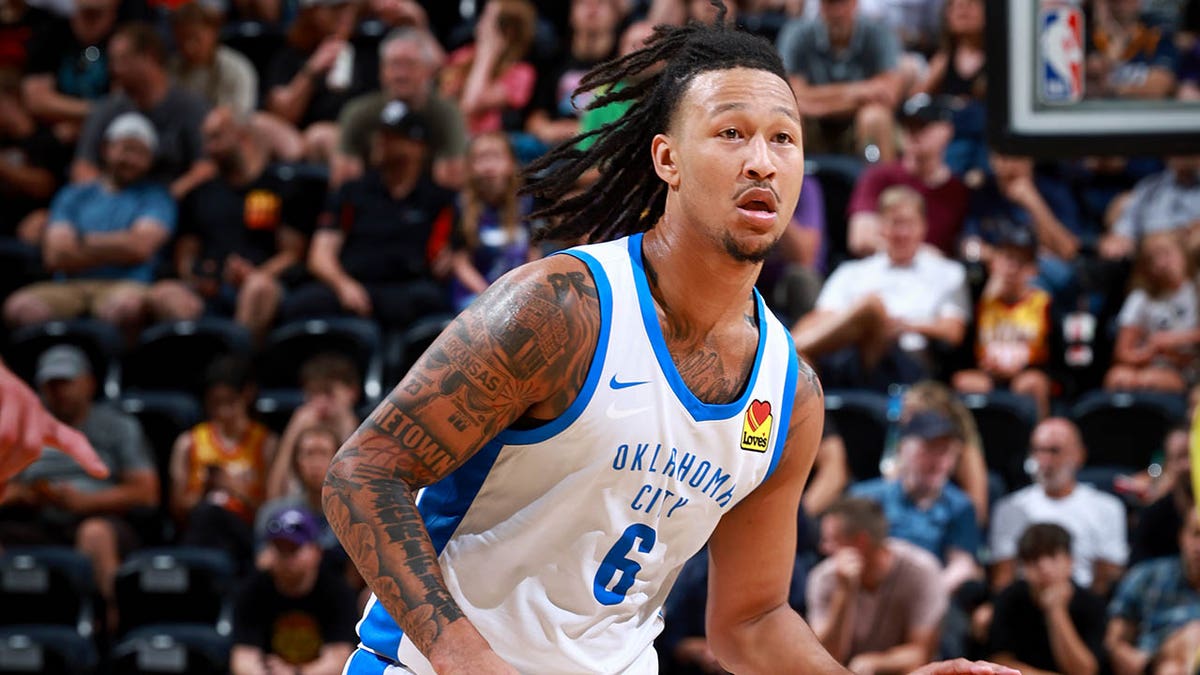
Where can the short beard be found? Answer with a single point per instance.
(742, 254)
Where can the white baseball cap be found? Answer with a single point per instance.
(132, 125)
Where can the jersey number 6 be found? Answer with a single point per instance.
(615, 563)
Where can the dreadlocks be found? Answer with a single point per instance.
(630, 197)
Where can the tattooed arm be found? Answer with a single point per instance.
(522, 350)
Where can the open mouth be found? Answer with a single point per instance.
(757, 203)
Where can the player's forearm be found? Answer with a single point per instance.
(774, 642)
(1069, 650)
(374, 514)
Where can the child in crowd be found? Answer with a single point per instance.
(332, 387)
(219, 467)
(1158, 324)
(1013, 325)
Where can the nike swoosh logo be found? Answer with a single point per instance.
(622, 385)
(616, 413)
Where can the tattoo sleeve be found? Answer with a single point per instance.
(522, 349)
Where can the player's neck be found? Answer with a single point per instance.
(693, 281)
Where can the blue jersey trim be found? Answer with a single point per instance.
(444, 503)
(379, 632)
(572, 413)
(700, 411)
(789, 400)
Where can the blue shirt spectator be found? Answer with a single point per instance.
(949, 522)
(93, 207)
(1157, 598)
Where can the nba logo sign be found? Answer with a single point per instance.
(1060, 52)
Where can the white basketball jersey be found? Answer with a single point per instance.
(561, 542)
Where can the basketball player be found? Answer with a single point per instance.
(26, 426)
(594, 418)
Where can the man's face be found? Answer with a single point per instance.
(927, 142)
(404, 71)
(927, 464)
(126, 66)
(1009, 168)
(1177, 455)
(491, 167)
(197, 42)
(294, 567)
(1048, 570)
(69, 399)
(736, 159)
(594, 16)
(220, 135)
(93, 20)
(128, 160)
(902, 227)
(839, 18)
(834, 537)
(1055, 454)
(401, 157)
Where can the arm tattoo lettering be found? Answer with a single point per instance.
(528, 341)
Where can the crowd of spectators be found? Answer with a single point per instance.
(268, 161)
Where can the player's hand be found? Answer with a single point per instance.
(486, 662)
(26, 427)
(965, 667)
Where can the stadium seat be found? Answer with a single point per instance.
(288, 346)
(163, 416)
(46, 650)
(175, 585)
(837, 174)
(258, 42)
(172, 648)
(173, 355)
(100, 341)
(862, 420)
(274, 407)
(1005, 421)
(47, 585)
(412, 343)
(1124, 429)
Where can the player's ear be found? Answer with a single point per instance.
(664, 160)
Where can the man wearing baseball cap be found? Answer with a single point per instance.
(926, 130)
(921, 504)
(294, 615)
(379, 251)
(55, 501)
(103, 238)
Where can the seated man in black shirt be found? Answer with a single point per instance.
(1045, 622)
(376, 249)
(242, 234)
(293, 616)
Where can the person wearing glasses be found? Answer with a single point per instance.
(292, 616)
(1095, 520)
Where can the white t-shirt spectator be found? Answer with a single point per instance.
(931, 287)
(1095, 519)
(1177, 311)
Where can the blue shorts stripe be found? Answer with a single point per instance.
(363, 662)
